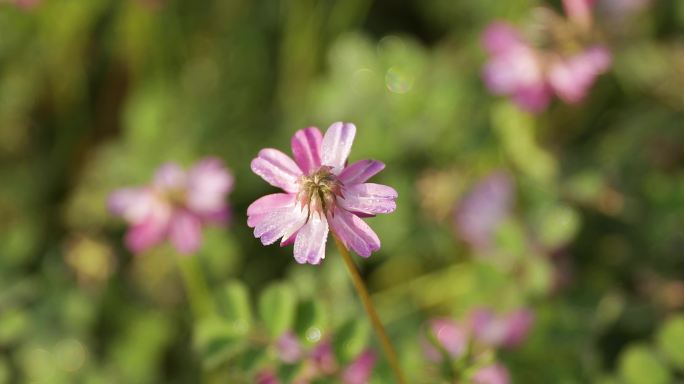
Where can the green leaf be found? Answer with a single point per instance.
(233, 301)
(556, 225)
(639, 365)
(516, 132)
(217, 342)
(350, 340)
(277, 306)
(671, 340)
(310, 321)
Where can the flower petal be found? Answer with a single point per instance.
(169, 176)
(279, 223)
(147, 233)
(369, 198)
(360, 171)
(354, 233)
(277, 169)
(208, 183)
(309, 246)
(133, 204)
(185, 232)
(337, 144)
(500, 37)
(306, 148)
(359, 371)
(269, 203)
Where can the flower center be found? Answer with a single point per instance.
(319, 190)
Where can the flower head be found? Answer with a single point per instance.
(565, 58)
(482, 210)
(507, 330)
(322, 193)
(175, 205)
(492, 374)
(445, 336)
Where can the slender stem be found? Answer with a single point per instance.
(372, 314)
(196, 287)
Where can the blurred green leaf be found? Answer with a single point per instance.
(350, 339)
(277, 307)
(234, 304)
(639, 365)
(671, 340)
(310, 322)
(217, 342)
(515, 129)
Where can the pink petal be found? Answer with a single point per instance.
(306, 148)
(277, 169)
(282, 222)
(519, 324)
(185, 232)
(534, 98)
(309, 246)
(288, 347)
(337, 144)
(492, 374)
(449, 335)
(500, 37)
(169, 176)
(360, 370)
(354, 233)
(146, 234)
(369, 198)
(133, 204)
(483, 209)
(488, 328)
(579, 11)
(572, 77)
(360, 171)
(269, 203)
(208, 184)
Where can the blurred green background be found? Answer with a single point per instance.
(95, 94)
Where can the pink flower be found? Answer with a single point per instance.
(289, 349)
(484, 208)
(567, 63)
(492, 374)
(448, 336)
(175, 206)
(501, 330)
(266, 377)
(322, 193)
(359, 371)
(515, 68)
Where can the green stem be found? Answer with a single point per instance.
(196, 287)
(372, 314)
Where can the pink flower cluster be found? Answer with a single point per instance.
(483, 329)
(567, 65)
(484, 207)
(321, 193)
(176, 205)
(318, 363)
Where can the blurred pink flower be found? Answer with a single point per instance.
(266, 377)
(482, 210)
(289, 349)
(174, 206)
(322, 192)
(492, 374)
(323, 357)
(25, 4)
(567, 65)
(359, 371)
(494, 330)
(515, 69)
(449, 336)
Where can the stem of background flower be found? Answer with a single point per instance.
(196, 287)
(372, 314)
